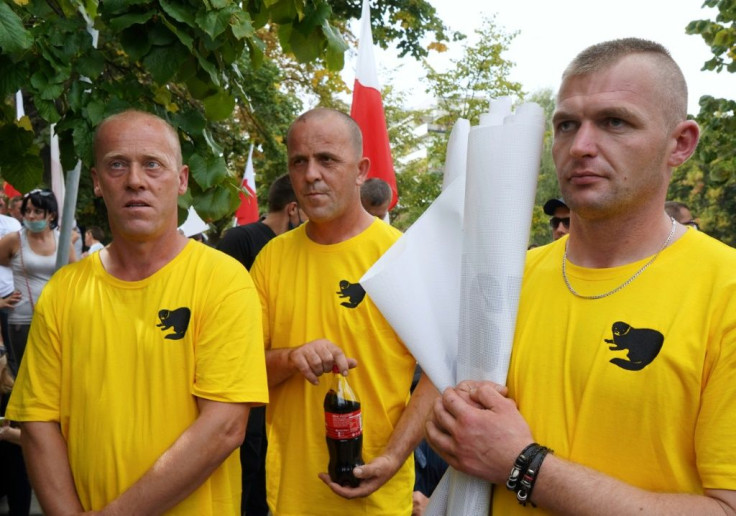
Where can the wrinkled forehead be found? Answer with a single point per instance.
(138, 133)
(323, 129)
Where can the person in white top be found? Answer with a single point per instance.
(31, 253)
(93, 240)
(7, 288)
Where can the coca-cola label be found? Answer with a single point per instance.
(344, 426)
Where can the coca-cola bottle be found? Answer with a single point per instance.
(344, 431)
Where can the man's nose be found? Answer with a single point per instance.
(312, 171)
(584, 143)
(135, 175)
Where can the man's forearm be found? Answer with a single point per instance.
(278, 368)
(194, 456)
(567, 488)
(45, 452)
(409, 429)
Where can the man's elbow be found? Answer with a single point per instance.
(233, 431)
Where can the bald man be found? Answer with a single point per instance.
(134, 392)
(316, 316)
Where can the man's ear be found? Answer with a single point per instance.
(183, 179)
(686, 135)
(364, 166)
(95, 183)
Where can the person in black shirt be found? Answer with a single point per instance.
(243, 243)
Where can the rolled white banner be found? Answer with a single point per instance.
(456, 158)
(416, 286)
(450, 286)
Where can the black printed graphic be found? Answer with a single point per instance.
(353, 291)
(642, 345)
(177, 319)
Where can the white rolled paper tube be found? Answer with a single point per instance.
(502, 170)
(499, 109)
(416, 285)
(456, 158)
(503, 165)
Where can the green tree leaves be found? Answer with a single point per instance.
(13, 36)
(709, 189)
(207, 66)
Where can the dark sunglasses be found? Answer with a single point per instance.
(555, 221)
(691, 223)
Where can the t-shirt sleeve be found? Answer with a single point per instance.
(259, 273)
(715, 434)
(36, 394)
(229, 356)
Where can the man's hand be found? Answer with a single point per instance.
(372, 476)
(419, 503)
(317, 357)
(477, 430)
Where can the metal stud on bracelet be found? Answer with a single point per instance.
(529, 478)
(520, 465)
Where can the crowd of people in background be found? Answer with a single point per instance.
(179, 379)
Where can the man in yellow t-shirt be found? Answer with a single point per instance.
(625, 345)
(317, 315)
(134, 392)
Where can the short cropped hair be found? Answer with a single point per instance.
(43, 199)
(674, 208)
(375, 192)
(280, 194)
(356, 136)
(96, 233)
(604, 55)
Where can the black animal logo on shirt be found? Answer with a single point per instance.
(353, 291)
(642, 345)
(177, 319)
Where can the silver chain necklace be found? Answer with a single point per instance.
(625, 283)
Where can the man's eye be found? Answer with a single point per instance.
(565, 126)
(616, 122)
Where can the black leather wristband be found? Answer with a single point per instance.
(520, 465)
(529, 478)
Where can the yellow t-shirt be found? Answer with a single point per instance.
(310, 291)
(638, 385)
(119, 365)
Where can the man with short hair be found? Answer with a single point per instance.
(625, 346)
(134, 391)
(559, 220)
(244, 242)
(93, 237)
(316, 316)
(14, 208)
(681, 213)
(375, 194)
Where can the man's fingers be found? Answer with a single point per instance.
(318, 357)
(364, 488)
(489, 395)
(440, 441)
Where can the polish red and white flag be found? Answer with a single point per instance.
(367, 108)
(248, 210)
